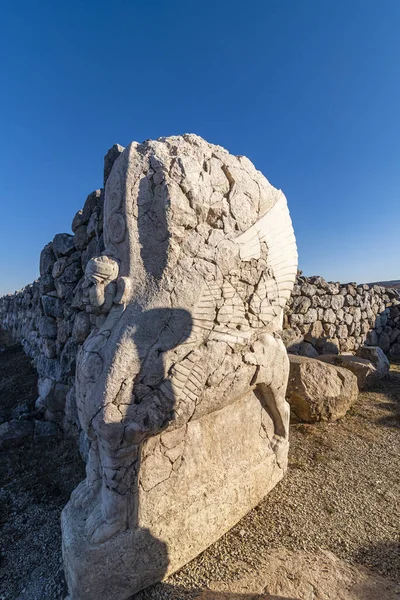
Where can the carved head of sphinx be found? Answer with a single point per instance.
(99, 286)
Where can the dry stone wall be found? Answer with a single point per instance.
(325, 318)
(49, 316)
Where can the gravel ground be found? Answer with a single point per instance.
(341, 494)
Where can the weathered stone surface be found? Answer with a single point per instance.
(363, 369)
(81, 237)
(315, 333)
(14, 433)
(291, 338)
(63, 243)
(319, 392)
(377, 358)
(395, 351)
(47, 327)
(52, 306)
(81, 328)
(180, 384)
(306, 349)
(384, 341)
(47, 259)
(20, 412)
(45, 431)
(114, 152)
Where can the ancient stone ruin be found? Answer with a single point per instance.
(156, 333)
(323, 317)
(170, 299)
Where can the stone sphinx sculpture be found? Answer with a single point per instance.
(181, 384)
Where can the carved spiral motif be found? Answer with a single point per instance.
(116, 228)
(114, 192)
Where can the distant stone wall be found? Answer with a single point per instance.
(49, 316)
(324, 317)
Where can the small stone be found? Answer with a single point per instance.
(20, 412)
(47, 260)
(14, 433)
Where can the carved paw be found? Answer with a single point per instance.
(98, 530)
(84, 494)
(279, 446)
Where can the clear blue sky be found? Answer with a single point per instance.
(309, 90)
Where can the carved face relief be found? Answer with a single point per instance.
(99, 288)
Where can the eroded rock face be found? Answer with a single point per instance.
(363, 369)
(319, 392)
(180, 386)
(377, 358)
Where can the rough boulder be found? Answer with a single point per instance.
(318, 391)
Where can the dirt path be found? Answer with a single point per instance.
(341, 494)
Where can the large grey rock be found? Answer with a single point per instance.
(81, 238)
(47, 259)
(81, 328)
(180, 385)
(47, 327)
(384, 341)
(63, 244)
(377, 357)
(395, 351)
(20, 412)
(319, 392)
(52, 306)
(362, 368)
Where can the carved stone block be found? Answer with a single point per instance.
(180, 386)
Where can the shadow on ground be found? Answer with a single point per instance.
(380, 557)
(36, 480)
